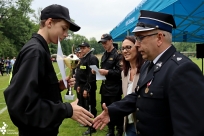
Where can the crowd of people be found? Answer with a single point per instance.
(6, 65)
(163, 90)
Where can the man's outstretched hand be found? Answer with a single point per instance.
(81, 115)
(103, 119)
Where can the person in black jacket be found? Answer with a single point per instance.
(2, 66)
(77, 52)
(86, 81)
(33, 97)
(169, 96)
(111, 88)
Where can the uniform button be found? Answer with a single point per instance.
(137, 120)
(151, 94)
(138, 109)
(138, 132)
(138, 96)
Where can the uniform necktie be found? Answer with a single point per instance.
(150, 66)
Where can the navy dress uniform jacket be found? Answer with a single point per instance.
(33, 97)
(173, 105)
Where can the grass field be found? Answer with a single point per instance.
(68, 127)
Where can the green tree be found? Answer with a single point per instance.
(16, 23)
(185, 46)
(53, 48)
(94, 44)
(7, 49)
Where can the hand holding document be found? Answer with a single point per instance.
(98, 75)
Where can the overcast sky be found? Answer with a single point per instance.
(95, 17)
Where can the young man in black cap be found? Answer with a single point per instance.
(169, 97)
(111, 88)
(86, 81)
(33, 97)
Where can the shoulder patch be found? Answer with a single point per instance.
(179, 58)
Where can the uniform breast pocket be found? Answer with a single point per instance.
(153, 102)
(156, 92)
(110, 62)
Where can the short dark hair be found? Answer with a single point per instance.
(42, 22)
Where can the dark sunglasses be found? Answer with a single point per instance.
(127, 48)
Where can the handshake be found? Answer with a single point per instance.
(84, 117)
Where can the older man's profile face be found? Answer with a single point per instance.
(146, 44)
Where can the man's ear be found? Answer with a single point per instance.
(48, 22)
(160, 39)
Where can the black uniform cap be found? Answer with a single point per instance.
(58, 12)
(105, 37)
(150, 20)
(84, 44)
(77, 50)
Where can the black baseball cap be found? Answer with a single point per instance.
(105, 37)
(77, 50)
(150, 20)
(58, 12)
(84, 44)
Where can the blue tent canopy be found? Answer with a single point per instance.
(188, 15)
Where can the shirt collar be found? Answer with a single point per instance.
(157, 58)
(43, 42)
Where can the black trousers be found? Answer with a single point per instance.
(1, 70)
(109, 100)
(90, 100)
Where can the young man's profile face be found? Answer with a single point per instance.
(57, 29)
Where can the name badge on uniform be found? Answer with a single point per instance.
(110, 58)
(82, 67)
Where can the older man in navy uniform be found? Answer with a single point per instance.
(169, 97)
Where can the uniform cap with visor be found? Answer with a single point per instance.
(84, 44)
(150, 20)
(105, 37)
(77, 50)
(58, 12)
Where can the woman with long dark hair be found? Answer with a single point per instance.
(132, 62)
